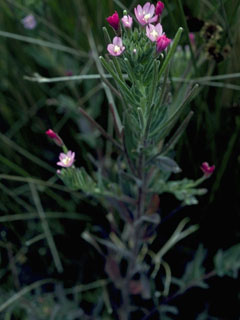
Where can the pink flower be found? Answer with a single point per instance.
(145, 14)
(154, 32)
(116, 48)
(162, 43)
(206, 169)
(66, 160)
(55, 137)
(29, 22)
(114, 21)
(159, 8)
(127, 21)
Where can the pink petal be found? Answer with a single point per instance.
(62, 156)
(146, 7)
(110, 49)
(154, 19)
(139, 10)
(159, 28)
(117, 41)
(152, 9)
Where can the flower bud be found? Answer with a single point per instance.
(206, 169)
(114, 21)
(162, 43)
(159, 7)
(127, 21)
(55, 137)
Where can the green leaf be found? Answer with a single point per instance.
(175, 111)
(184, 190)
(195, 270)
(177, 236)
(167, 164)
(174, 139)
(122, 85)
(227, 263)
(78, 179)
(170, 52)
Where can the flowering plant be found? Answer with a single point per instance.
(148, 123)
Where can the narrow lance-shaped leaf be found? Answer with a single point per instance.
(121, 84)
(165, 128)
(171, 52)
(106, 35)
(154, 82)
(167, 164)
(171, 143)
(178, 235)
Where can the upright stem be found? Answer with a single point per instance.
(135, 239)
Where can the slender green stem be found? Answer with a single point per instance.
(121, 84)
(103, 132)
(176, 136)
(49, 215)
(40, 42)
(171, 52)
(163, 88)
(225, 160)
(46, 228)
(187, 33)
(101, 72)
(23, 292)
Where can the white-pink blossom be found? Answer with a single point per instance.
(116, 48)
(127, 21)
(154, 32)
(66, 159)
(145, 14)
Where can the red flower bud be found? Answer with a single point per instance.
(114, 21)
(55, 137)
(206, 169)
(162, 43)
(159, 8)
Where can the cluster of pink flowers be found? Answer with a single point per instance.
(146, 16)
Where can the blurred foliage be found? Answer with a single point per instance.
(60, 46)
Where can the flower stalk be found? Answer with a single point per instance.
(139, 60)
